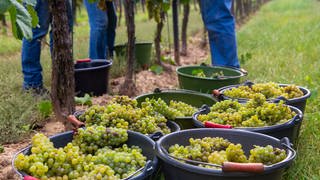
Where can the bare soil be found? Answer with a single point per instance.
(146, 81)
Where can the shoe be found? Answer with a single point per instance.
(38, 91)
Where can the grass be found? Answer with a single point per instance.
(18, 110)
(284, 41)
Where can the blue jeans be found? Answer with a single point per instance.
(220, 23)
(31, 50)
(102, 30)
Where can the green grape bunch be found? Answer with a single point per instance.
(172, 110)
(124, 100)
(123, 160)
(74, 161)
(268, 90)
(94, 137)
(217, 150)
(123, 112)
(257, 112)
(267, 155)
(184, 108)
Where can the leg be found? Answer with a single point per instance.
(98, 31)
(31, 50)
(112, 25)
(220, 24)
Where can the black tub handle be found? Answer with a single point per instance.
(157, 135)
(77, 114)
(245, 72)
(148, 168)
(297, 118)
(248, 83)
(288, 147)
(205, 109)
(204, 64)
(286, 143)
(217, 95)
(157, 90)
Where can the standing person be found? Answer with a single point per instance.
(102, 30)
(31, 49)
(220, 23)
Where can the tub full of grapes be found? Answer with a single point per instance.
(204, 79)
(123, 112)
(223, 154)
(292, 95)
(94, 152)
(258, 115)
(176, 105)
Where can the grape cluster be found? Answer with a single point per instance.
(200, 73)
(217, 74)
(122, 112)
(124, 100)
(199, 149)
(184, 108)
(216, 150)
(267, 155)
(257, 112)
(123, 160)
(269, 90)
(73, 162)
(173, 110)
(159, 106)
(95, 137)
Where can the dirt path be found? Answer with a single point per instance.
(146, 81)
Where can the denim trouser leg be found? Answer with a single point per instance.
(31, 50)
(112, 25)
(220, 24)
(98, 31)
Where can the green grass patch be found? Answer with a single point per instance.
(283, 42)
(18, 110)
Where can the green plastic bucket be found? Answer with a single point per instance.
(142, 51)
(193, 98)
(204, 84)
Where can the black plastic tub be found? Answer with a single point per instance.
(289, 129)
(176, 170)
(92, 77)
(134, 138)
(155, 136)
(192, 98)
(299, 102)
